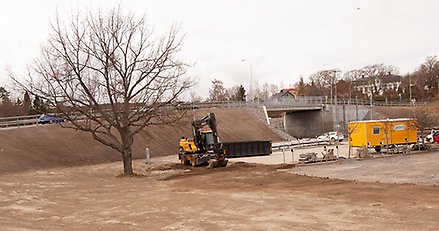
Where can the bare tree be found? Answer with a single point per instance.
(267, 90)
(323, 81)
(378, 70)
(427, 76)
(388, 128)
(353, 75)
(107, 74)
(218, 92)
(424, 119)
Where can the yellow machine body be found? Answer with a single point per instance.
(188, 145)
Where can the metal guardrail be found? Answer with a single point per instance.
(17, 121)
(299, 144)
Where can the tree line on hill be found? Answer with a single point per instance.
(378, 81)
(383, 82)
(21, 106)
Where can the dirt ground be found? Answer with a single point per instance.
(48, 183)
(418, 168)
(242, 196)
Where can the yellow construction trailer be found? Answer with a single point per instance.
(380, 133)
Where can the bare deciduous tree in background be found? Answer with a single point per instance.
(424, 119)
(107, 75)
(218, 92)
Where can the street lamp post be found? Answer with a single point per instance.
(332, 83)
(410, 90)
(336, 109)
(250, 92)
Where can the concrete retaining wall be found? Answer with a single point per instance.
(313, 123)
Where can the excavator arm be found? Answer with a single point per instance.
(206, 143)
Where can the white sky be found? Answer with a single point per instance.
(283, 39)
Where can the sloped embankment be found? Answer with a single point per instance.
(52, 146)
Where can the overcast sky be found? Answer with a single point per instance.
(283, 40)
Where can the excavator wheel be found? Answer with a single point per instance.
(184, 160)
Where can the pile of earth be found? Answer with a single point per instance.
(49, 146)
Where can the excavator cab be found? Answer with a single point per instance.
(205, 146)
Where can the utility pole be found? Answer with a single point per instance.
(356, 108)
(371, 107)
(344, 119)
(410, 89)
(332, 83)
(250, 93)
(335, 98)
(336, 110)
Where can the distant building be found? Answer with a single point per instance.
(285, 94)
(377, 85)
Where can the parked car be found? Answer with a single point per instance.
(429, 137)
(331, 137)
(48, 119)
(436, 137)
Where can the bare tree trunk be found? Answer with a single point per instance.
(127, 161)
(127, 154)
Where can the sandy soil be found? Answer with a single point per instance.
(241, 196)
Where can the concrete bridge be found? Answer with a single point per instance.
(311, 123)
(312, 116)
(301, 116)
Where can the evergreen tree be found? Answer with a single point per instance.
(37, 105)
(240, 94)
(26, 103)
(302, 87)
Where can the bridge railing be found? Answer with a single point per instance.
(298, 101)
(309, 101)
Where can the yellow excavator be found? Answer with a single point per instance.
(204, 148)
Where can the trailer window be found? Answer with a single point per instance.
(399, 127)
(376, 130)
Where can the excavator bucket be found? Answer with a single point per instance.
(214, 163)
